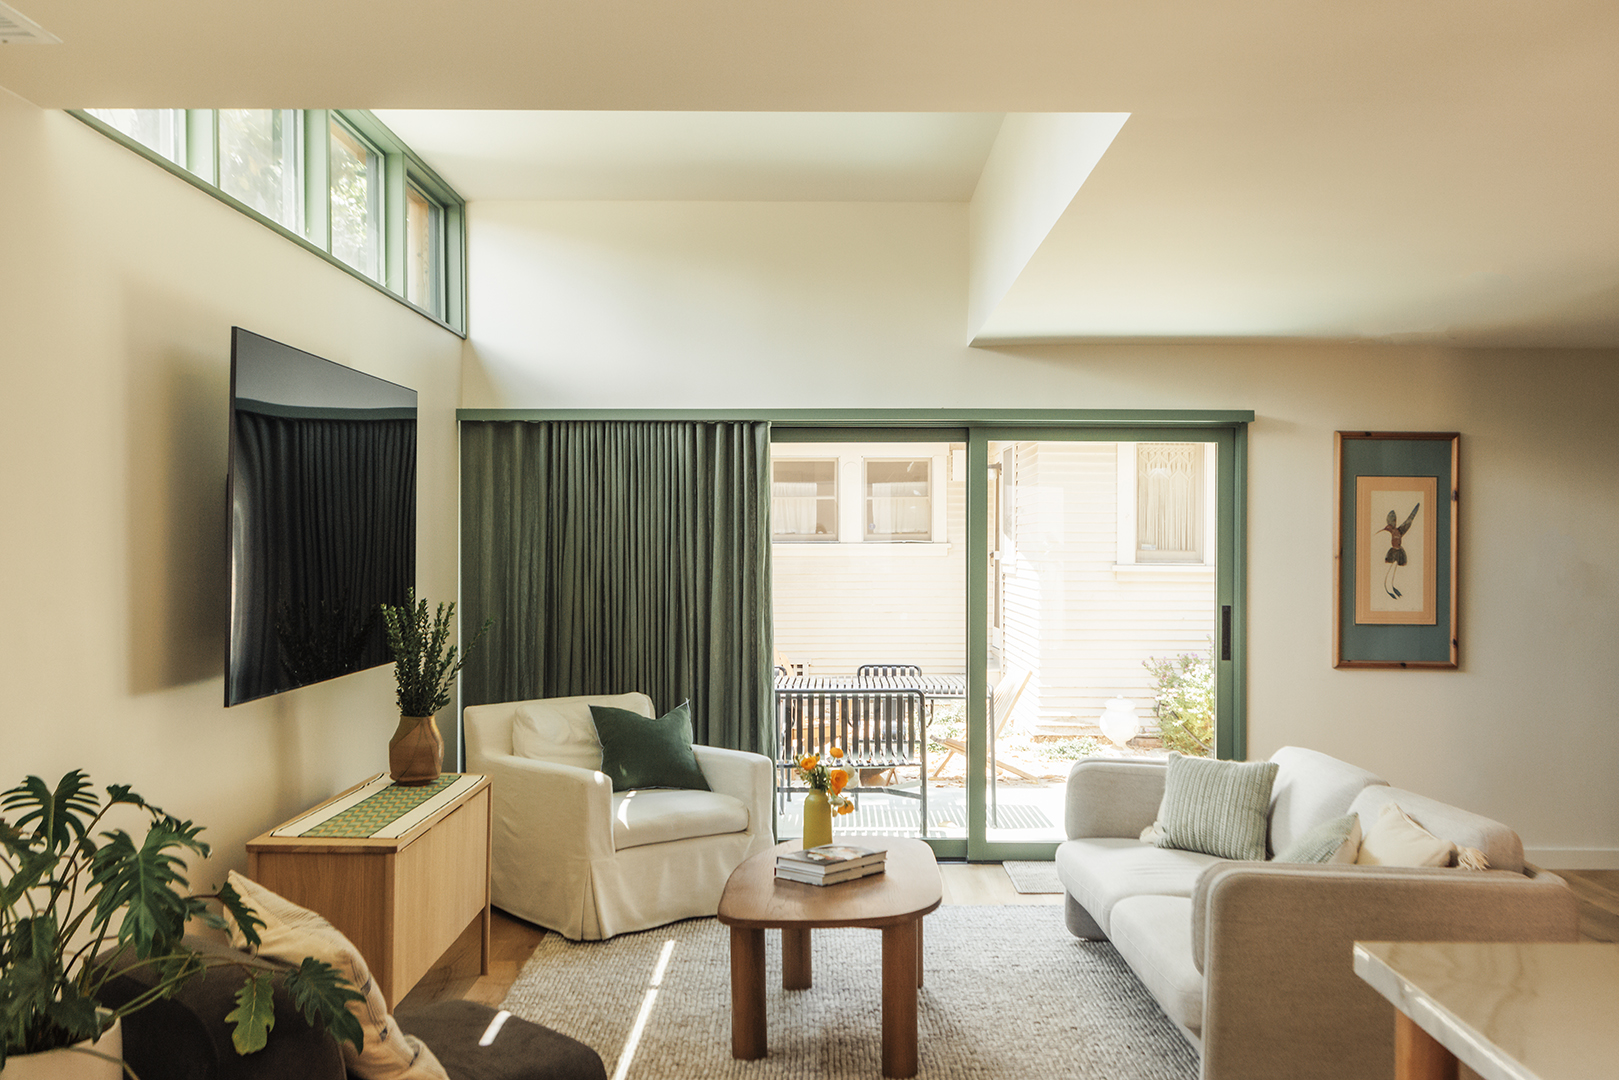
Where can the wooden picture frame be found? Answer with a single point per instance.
(1395, 566)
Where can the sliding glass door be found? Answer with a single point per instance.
(1102, 606)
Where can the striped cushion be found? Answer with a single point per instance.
(1334, 841)
(1217, 807)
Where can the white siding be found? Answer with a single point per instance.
(1079, 622)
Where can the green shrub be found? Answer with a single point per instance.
(1183, 687)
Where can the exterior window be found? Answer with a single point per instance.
(804, 500)
(161, 130)
(319, 177)
(259, 152)
(424, 245)
(899, 504)
(356, 171)
(1169, 502)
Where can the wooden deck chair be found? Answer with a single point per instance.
(1001, 704)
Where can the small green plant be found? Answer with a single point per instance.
(1073, 749)
(1184, 690)
(69, 894)
(425, 663)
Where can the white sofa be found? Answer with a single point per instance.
(1253, 959)
(573, 856)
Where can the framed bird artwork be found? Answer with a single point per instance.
(1396, 564)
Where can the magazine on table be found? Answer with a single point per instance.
(834, 877)
(830, 857)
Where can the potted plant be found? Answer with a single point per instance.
(77, 906)
(425, 666)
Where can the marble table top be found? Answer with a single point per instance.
(1510, 1011)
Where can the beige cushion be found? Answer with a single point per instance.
(1154, 935)
(1310, 788)
(1500, 845)
(291, 933)
(659, 815)
(561, 731)
(1396, 840)
(1099, 871)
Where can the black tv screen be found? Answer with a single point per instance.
(322, 497)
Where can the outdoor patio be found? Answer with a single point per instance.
(1032, 812)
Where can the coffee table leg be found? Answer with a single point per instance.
(796, 971)
(919, 954)
(900, 949)
(747, 993)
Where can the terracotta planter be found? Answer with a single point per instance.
(817, 819)
(75, 1063)
(416, 752)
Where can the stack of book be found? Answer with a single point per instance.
(829, 864)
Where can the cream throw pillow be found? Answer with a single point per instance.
(1396, 840)
(291, 933)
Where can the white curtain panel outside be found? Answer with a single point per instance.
(897, 508)
(793, 508)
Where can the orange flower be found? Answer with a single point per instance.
(809, 762)
(836, 751)
(840, 779)
(846, 808)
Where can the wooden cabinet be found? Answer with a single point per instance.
(402, 900)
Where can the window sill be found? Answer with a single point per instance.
(859, 550)
(1164, 571)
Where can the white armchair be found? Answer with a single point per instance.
(571, 855)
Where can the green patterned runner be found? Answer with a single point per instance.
(393, 802)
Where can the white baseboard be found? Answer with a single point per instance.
(1573, 858)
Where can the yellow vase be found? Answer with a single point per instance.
(817, 819)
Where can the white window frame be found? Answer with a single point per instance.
(851, 458)
(1129, 467)
(837, 501)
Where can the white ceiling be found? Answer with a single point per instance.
(712, 156)
(1385, 170)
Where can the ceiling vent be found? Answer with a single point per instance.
(18, 29)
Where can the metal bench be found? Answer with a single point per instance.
(879, 730)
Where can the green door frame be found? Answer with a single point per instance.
(1229, 587)
(1226, 427)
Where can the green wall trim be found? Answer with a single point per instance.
(313, 219)
(894, 418)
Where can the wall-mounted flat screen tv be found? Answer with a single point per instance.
(322, 497)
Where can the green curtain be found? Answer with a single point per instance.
(617, 556)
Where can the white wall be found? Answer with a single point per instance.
(702, 305)
(118, 287)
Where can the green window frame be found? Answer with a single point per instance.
(195, 159)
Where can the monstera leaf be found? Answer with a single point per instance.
(68, 890)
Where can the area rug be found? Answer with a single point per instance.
(1009, 993)
(1033, 877)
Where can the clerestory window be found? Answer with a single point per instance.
(337, 182)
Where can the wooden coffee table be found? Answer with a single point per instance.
(893, 902)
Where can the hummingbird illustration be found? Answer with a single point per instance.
(1396, 556)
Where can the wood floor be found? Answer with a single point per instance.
(512, 940)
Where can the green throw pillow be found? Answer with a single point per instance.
(1325, 843)
(1217, 807)
(642, 753)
